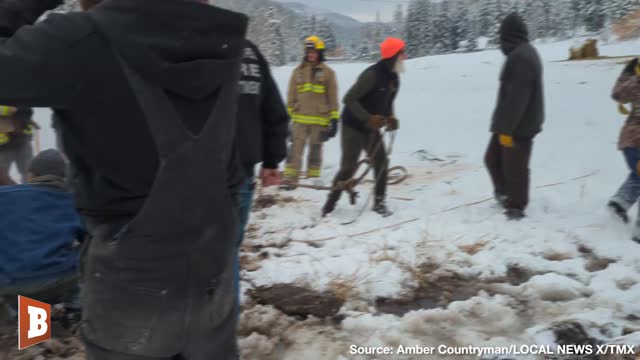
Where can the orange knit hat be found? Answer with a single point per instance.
(390, 47)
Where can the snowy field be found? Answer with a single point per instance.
(569, 262)
(582, 265)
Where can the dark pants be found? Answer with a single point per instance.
(246, 200)
(509, 170)
(354, 143)
(117, 296)
(96, 353)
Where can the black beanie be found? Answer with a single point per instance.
(49, 162)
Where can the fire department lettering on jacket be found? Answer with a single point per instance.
(251, 75)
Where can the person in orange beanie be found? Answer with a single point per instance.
(368, 109)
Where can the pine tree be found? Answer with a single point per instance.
(617, 9)
(272, 41)
(414, 28)
(536, 18)
(398, 24)
(467, 23)
(595, 15)
(308, 27)
(486, 18)
(378, 30)
(324, 31)
(427, 28)
(445, 32)
(561, 19)
(498, 11)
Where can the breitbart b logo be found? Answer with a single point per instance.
(34, 322)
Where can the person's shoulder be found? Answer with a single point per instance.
(67, 28)
(525, 50)
(248, 44)
(252, 52)
(369, 73)
(524, 53)
(327, 68)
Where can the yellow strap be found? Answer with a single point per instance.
(310, 120)
(28, 130)
(7, 110)
(315, 173)
(319, 89)
(4, 138)
(335, 115)
(290, 172)
(310, 87)
(623, 109)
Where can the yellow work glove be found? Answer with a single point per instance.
(623, 109)
(506, 140)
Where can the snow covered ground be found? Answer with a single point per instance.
(568, 262)
(585, 268)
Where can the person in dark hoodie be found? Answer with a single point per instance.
(147, 95)
(517, 119)
(369, 108)
(263, 122)
(39, 233)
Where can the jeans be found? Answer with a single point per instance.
(629, 191)
(52, 291)
(246, 200)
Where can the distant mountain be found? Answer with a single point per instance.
(347, 29)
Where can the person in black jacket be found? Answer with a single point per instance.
(147, 93)
(517, 119)
(368, 108)
(262, 129)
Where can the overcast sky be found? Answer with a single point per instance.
(363, 10)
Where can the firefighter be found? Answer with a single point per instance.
(313, 105)
(16, 135)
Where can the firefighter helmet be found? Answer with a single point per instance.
(313, 43)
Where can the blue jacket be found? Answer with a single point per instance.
(38, 228)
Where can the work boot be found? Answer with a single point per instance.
(515, 214)
(381, 208)
(618, 211)
(289, 184)
(330, 205)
